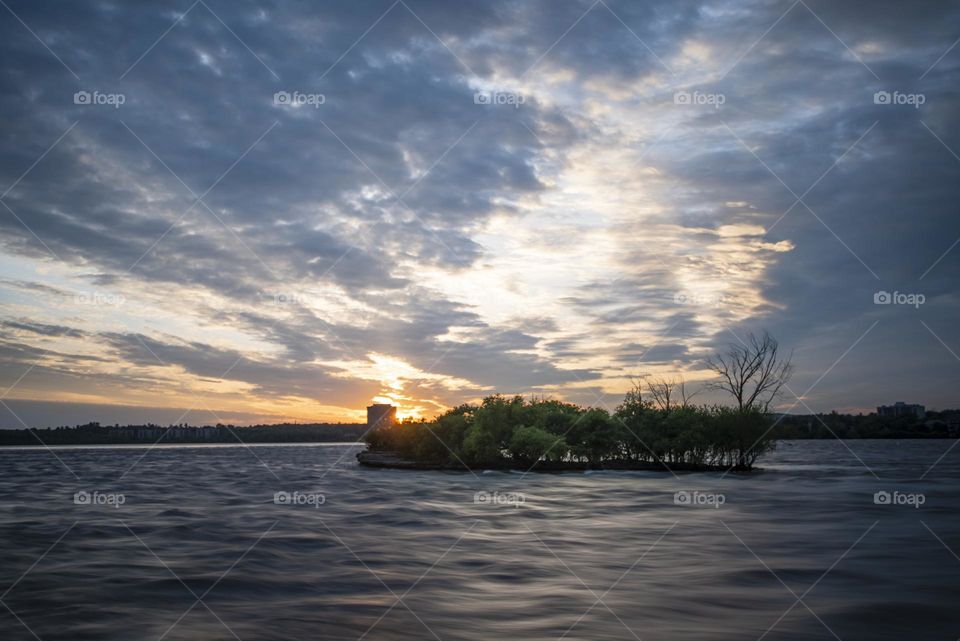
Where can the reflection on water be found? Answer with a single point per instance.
(194, 546)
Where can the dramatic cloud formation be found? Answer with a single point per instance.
(265, 210)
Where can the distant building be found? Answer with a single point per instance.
(381, 415)
(902, 409)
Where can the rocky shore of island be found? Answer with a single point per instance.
(393, 460)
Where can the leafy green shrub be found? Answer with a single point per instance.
(480, 447)
(529, 444)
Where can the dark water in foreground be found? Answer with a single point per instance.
(199, 550)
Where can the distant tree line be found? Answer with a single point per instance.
(96, 434)
(943, 424)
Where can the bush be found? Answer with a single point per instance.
(480, 447)
(529, 444)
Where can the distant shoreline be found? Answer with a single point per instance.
(96, 434)
(142, 446)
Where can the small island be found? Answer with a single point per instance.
(549, 435)
(666, 432)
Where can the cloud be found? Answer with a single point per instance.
(42, 329)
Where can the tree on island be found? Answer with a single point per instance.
(753, 372)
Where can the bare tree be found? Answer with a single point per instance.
(686, 397)
(754, 372)
(661, 389)
(665, 392)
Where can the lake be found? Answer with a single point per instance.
(832, 540)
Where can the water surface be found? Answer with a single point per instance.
(199, 549)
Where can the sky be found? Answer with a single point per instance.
(254, 211)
